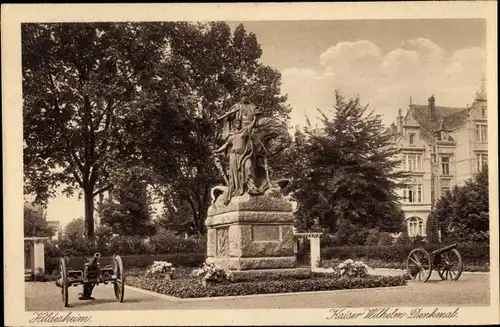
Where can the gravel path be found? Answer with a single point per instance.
(470, 290)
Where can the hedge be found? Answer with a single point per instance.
(135, 261)
(126, 245)
(191, 288)
(472, 254)
(400, 265)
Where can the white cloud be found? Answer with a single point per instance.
(418, 68)
(427, 50)
(399, 61)
(466, 63)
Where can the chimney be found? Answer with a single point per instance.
(432, 109)
(400, 121)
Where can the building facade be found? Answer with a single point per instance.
(441, 147)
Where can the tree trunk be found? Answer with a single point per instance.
(88, 198)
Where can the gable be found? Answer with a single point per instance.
(476, 111)
(410, 119)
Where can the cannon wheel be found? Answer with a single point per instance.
(419, 265)
(64, 276)
(451, 265)
(119, 284)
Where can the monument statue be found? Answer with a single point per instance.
(250, 222)
(248, 142)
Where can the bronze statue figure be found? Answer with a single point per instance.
(249, 141)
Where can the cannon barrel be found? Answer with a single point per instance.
(446, 248)
(94, 259)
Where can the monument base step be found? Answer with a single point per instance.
(270, 274)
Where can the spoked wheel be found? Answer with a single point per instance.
(64, 277)
(450, 265)
(119, 284)
(418, 265)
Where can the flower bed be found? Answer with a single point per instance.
(191, 288)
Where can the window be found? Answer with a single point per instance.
(412, 161)
(445, 165)
(481, 132)
(483, 111)
(414, 192)
(412, 138)
(415, 227)
(481, 161)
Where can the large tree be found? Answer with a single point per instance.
(212, 69)
(99, 97)
(345, 172)
(463, 213)
(82, 85)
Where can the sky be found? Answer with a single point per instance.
(384, 62)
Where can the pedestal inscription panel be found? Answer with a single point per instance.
(263, 233)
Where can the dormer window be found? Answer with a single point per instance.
(483, 111)
(412, 138)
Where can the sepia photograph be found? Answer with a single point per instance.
(343, 166)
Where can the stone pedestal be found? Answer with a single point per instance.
(253, 236)
(36, 256)
(315, 251)
(38, 252)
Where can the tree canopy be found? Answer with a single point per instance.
(128, 211)
(75, 229)
(345, 171)
(100, 97)
(35, 224)
(82, 83)
(212, 70)
(462, 214)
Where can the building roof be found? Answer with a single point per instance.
(451, 117)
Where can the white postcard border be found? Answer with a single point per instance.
(13, 15)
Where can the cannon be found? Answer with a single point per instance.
(447, 261)
(90, 275)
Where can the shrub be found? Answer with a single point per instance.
(328, 240)
(385, 239)
(185, 288)
(350, 234)
(168, 242)
(160, 269)
(350, 269)
(162, 242)
(210, 272)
